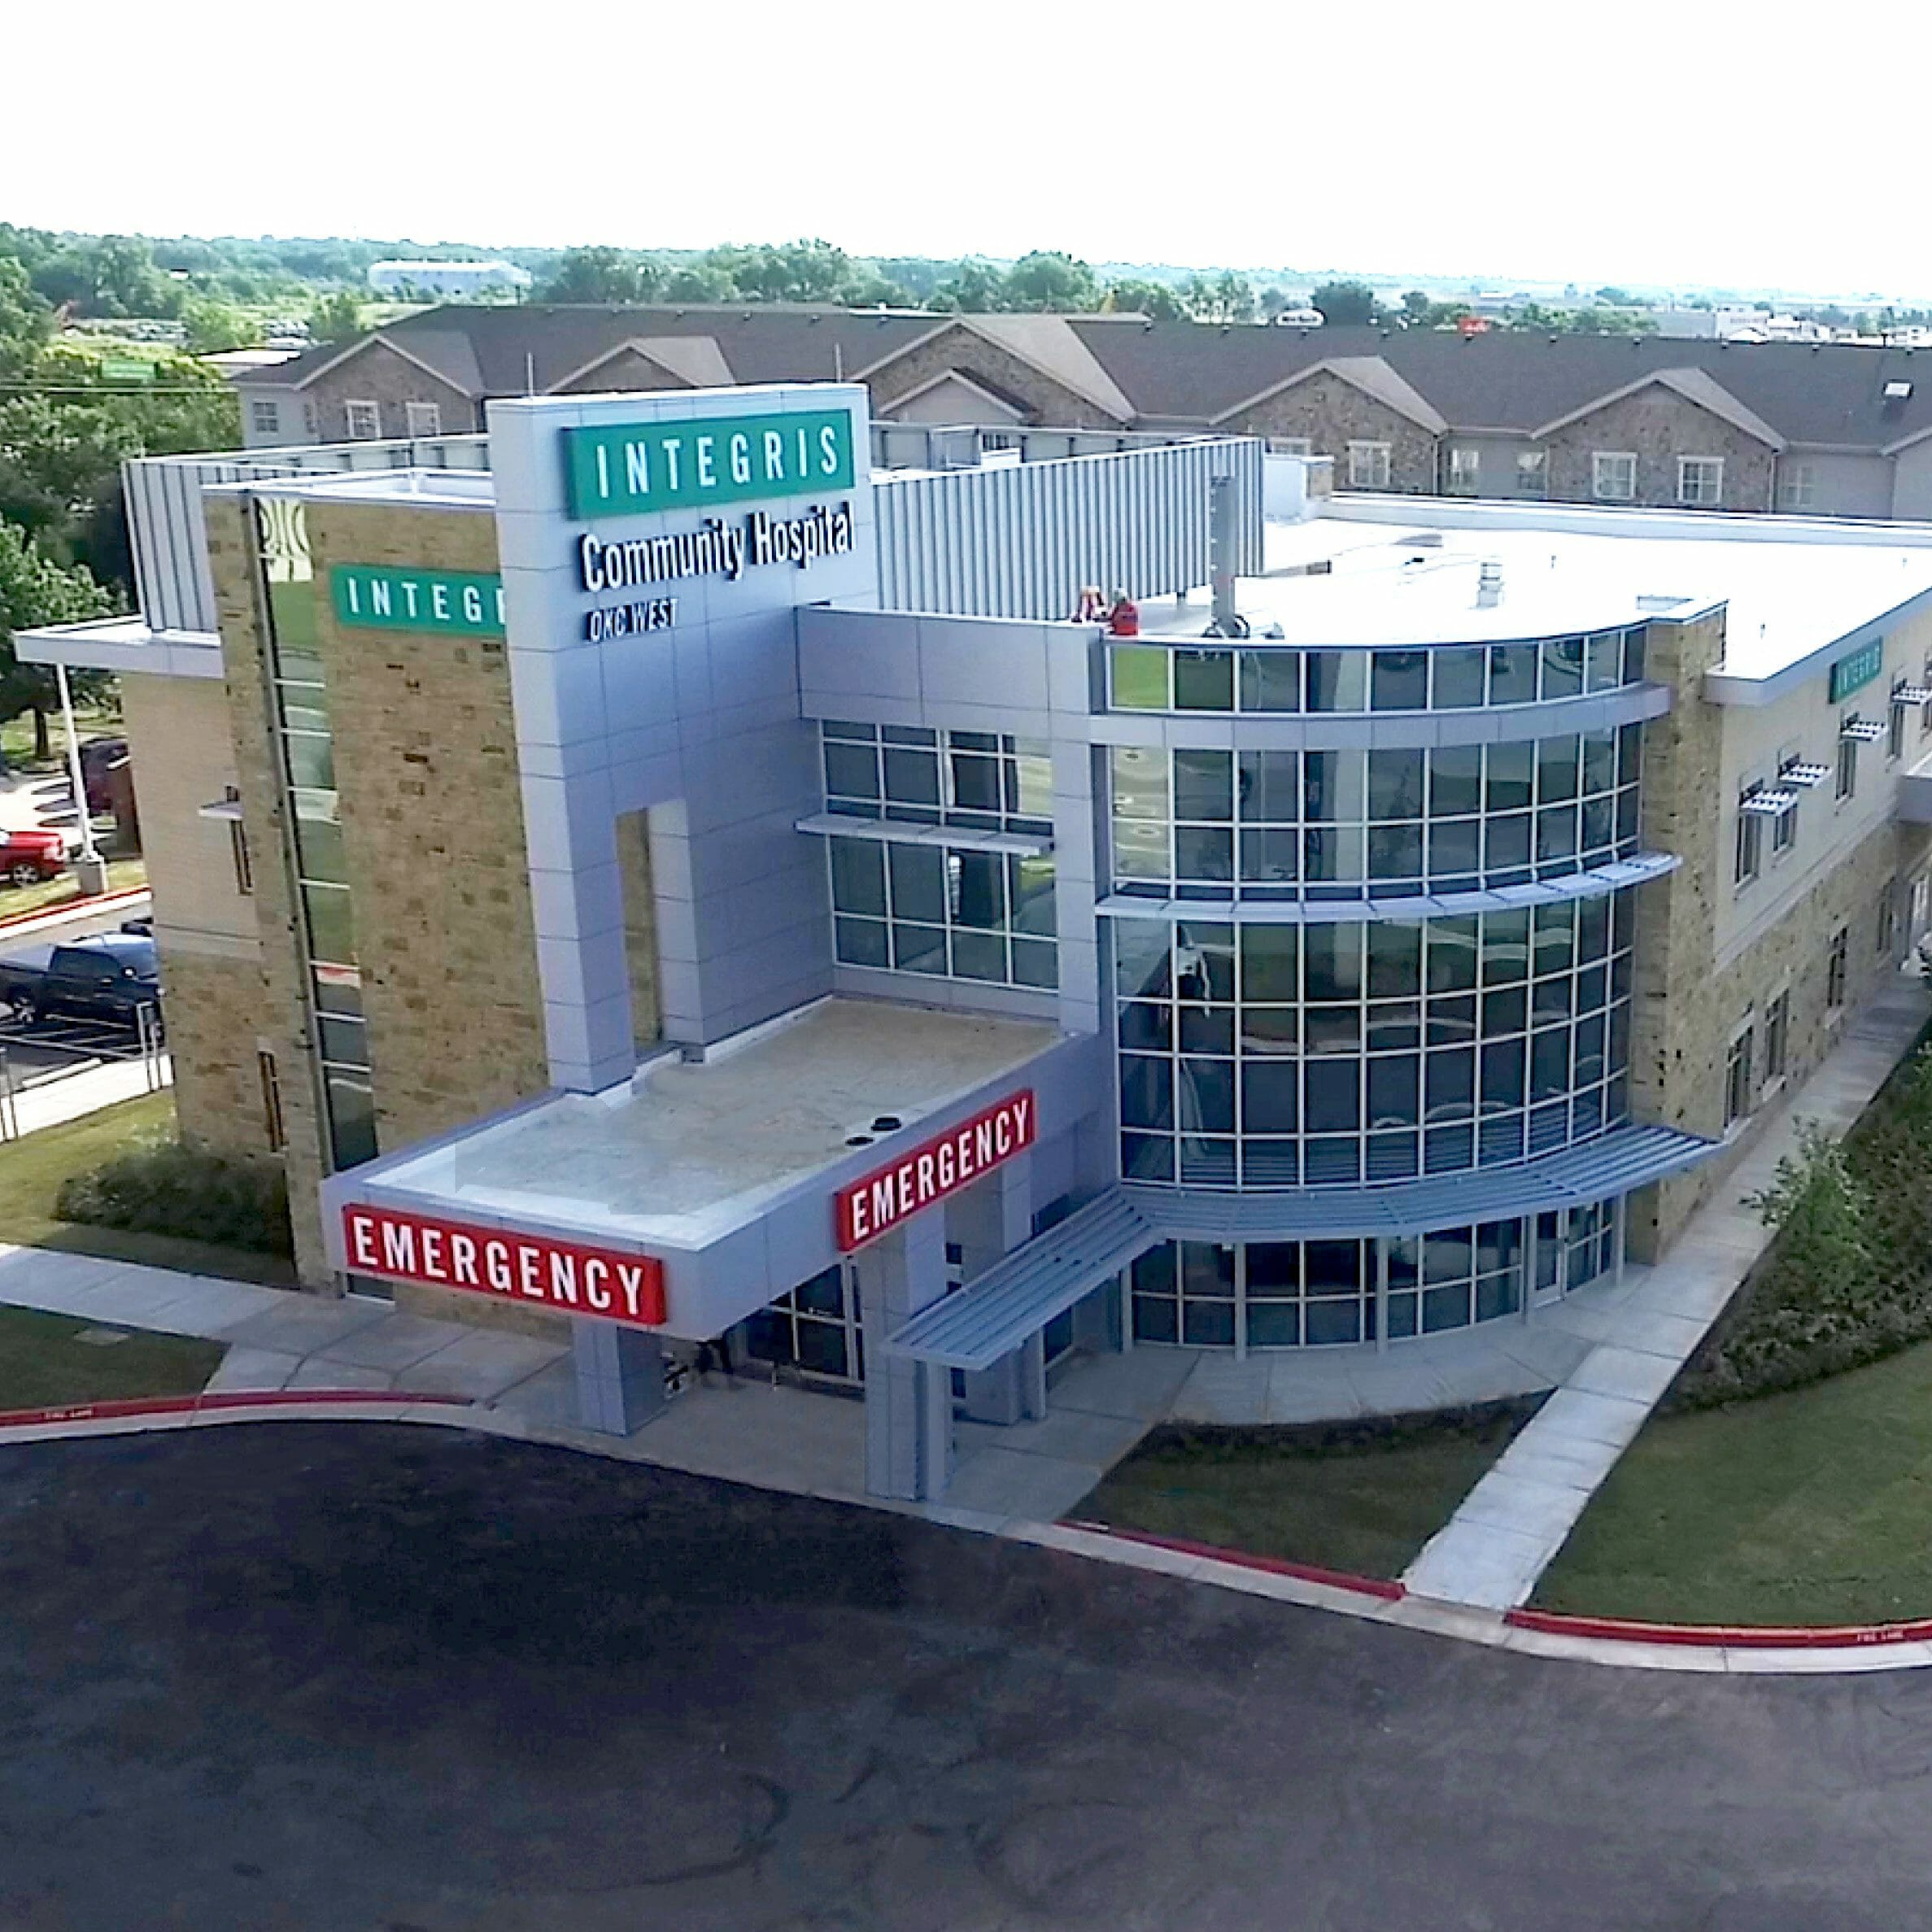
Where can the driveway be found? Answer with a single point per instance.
(398, 1680)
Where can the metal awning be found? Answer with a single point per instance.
(900, 831)
(228, 810)
(1802, 774)
(1912, 694)
(1595, 883)
(1768, 804)
(1867, 730)
(1613, 1163)
(1019, 1296)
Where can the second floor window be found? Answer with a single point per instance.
(364, 422)
(1836, 964)
(1700, 482)
(1613, 476)
(1751, 839)
(265, 416)
(1368, 466)
(1847, 782)
(424, 419)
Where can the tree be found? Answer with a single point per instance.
(214, 326)
(1274, 300)
(336, 318)
(975, 287)
(602, 275)
(1416, 308)
(1343, 303)
(1616, 298)
(1224, 298)
(35, 590)
(25, 320)
(1049, 280)
(1159, 299)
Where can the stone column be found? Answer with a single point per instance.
(620, 1376)
(909, 1405)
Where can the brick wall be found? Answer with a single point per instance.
(1332, 413)
(626, 370)
(378, 374)
(1686, 1011)
(1658, 426)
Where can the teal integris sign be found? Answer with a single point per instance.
(384, 597)
(630, 469)
(1854, 672)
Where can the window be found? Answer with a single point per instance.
(238, 843)
(1532, 473)
(1798, 485)
(423, 419)
(272, 1122)
(1847, 781)
(1835, 967)
(1368, 466)
(1925, 713)
(1465, 471)
(1778, 1035)
(1290, 445)
(1736, 1079)
(265, 416)
(1751, 839)
(1784, 831)
(364, 422)
(1894, 725)
(308, 419)
(1613, 476)
(1700, 482)
(1884, 925)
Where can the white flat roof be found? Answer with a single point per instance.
(1795, 586)
(690, 1151)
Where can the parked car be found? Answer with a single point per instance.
(26, 856)
(98, 757)
(109, 978)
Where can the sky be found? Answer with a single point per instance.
(1690, 144)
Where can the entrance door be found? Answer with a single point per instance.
(814, 1329)
(1550, 1247)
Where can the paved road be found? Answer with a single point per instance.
(389, 1680)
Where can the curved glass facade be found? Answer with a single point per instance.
(1350, 824)
(1276, 1056)
(1273, 678)
(1306, 1294)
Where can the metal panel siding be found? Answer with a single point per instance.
(1019, 541)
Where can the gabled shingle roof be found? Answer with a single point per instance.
(1829, 395)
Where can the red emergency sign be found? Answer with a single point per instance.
(933, 1170)
(502, 1262)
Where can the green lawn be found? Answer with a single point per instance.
(16, 736)
(1347, 1498)
(31, 1169)
(42, 1363)
(51, 893)
(1810, 1507)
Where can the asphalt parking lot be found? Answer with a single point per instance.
(407, 1679)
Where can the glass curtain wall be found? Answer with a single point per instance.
(1212, 824)
(1276, 1056)
(299, 699)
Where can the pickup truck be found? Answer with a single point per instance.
(28, 856)
(108, 979)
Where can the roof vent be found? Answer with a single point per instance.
(1488, 585)
(1897, 392)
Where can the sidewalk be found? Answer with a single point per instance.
(66, 1097)
(1510, 1525)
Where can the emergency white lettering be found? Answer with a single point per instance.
(929, 1173)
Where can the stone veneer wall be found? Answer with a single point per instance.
(1685, 1012)
(1332, 413)
(378, 374)
(1004, 373)
(1658, 425)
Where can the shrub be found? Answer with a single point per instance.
(1848, 1278)
(167, 1187)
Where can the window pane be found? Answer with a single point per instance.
(1140, 676)
(1203, 681)
(1269, 785)
(1203, 785)
(1337, 680)
(851, 771)
(1271, 680)
(1269, 962)
(1400, 680)
(918, 876)
(858, 876)
(862, 942)
(1455, 781)
(1458, 678)
(982, 888)
(912, 776)
(1395, 784)
(331, 927)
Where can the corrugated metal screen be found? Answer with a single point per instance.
(1020, 540)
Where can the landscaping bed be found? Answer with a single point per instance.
(34, 1169)
(1360, 1497)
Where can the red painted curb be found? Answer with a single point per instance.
(120, 1407)
(73, 907)
(1736, 1637)
(1274, 1566)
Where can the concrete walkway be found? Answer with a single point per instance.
(56, 1097)
(1498, 1543)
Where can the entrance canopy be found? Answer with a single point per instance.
(724, 1168)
